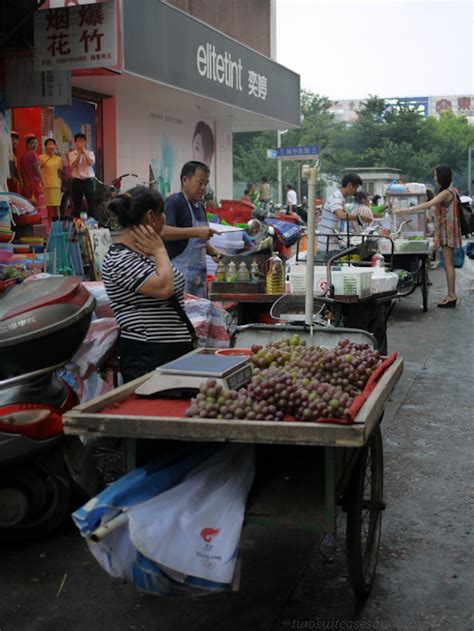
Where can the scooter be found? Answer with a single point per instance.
(42, 470)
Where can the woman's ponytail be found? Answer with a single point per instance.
(130, 207)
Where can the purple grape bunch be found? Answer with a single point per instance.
(292, 378)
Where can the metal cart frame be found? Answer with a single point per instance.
(305, 471)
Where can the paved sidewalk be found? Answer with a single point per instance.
(425, 574)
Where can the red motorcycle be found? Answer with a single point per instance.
(42, 324)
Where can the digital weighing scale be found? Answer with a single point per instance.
(190, 371)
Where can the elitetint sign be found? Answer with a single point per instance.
(218, 67)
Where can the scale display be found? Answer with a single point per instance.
(188, 372)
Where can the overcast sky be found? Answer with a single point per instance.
(348, 48)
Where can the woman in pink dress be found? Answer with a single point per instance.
(447, 231)
(33, 186)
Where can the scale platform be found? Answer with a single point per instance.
(183, 376)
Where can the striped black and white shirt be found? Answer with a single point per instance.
(329, 221)
(141, 317)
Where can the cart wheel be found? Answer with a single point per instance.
(424, 285)
(364, 507)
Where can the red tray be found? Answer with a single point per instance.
(139, 406)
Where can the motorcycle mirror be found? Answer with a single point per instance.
(254, 226)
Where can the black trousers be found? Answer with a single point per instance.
(80, 189)
(138, 358)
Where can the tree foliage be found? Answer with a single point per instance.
(397, 137)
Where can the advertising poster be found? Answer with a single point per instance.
(72, 119)
(173, 141)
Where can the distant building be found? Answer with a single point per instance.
(346, 110)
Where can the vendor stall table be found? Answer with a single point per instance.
(304, 470)
(249, 306)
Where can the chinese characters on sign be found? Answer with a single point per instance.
(76, 37)
(25, 87)
(298, 153)
(257, 85)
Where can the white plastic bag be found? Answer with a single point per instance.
(194, 528)
(187, 508)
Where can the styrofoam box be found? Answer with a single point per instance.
(387, 282)
(297, 279)
(350, 281)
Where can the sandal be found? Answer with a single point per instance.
(449, 304)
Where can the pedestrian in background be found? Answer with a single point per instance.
(31, 177)
(333, 210)
(14, 181)
(253, 193)
(51, 166)
(291, 198)
(447, 229)
(264, 192)
(82, 161)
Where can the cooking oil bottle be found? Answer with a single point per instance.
(220, 271)
(275, 275)
(243, 275)
(231, 274)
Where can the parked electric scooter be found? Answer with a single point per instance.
(42, 324)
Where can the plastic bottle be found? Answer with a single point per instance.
(275, 275)
(378, 262)
(255, 271)
(220, 271)
(243, 275)
(231, 273)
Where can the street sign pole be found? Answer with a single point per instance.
(279, 196)
(469, 171)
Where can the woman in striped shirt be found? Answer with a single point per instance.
(146, 293)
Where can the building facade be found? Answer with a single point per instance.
(175, 87)
(461, 105)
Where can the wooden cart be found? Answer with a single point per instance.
(304, 470)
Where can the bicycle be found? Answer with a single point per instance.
(106, 192)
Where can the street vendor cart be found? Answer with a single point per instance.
(304, 471)
(413, 247)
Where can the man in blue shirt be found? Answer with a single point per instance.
(186, 233)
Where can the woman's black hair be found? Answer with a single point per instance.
(207, 137)
(50, 140)
(360, 197)
(375, 200)
(444, 175)
(429, 194)
(131, 207)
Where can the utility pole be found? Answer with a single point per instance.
(279, 197)
(469, 171)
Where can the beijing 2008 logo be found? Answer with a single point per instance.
(208, 533)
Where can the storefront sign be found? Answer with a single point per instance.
(171, 47)
(76, 37)
(25, 87)
(58, 4)
(304, 152)
(459, 105)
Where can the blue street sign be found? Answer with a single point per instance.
(272, 154)
(304, 152)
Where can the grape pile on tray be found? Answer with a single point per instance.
(292, 380)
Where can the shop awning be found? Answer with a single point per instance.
(169, 47)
